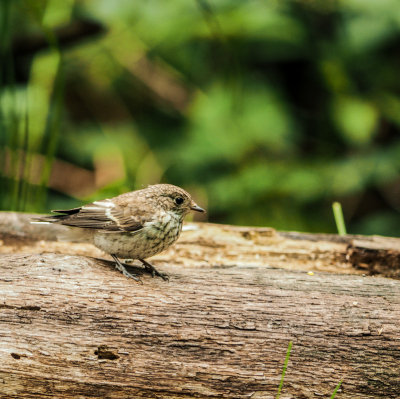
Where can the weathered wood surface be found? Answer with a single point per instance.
(210, 245)
(73, 327)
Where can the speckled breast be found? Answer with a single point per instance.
(153, 238)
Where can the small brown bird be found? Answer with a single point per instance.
(135, 225)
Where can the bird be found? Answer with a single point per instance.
(135, 225)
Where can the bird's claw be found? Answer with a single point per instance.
(148, 267)
(153, 271)
(132, 276)
(119, 266)
(165, 277)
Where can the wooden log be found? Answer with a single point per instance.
(211, 245)
(73, 327)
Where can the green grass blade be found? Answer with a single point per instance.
(336, 389)
(339, 219)
(284, 369)
(25, 165)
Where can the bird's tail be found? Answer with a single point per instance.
(65, 234)
(55, 218)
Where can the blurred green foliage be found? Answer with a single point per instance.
(266, 111)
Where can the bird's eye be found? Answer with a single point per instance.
(179, 200)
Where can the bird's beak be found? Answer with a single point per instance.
(196, 208)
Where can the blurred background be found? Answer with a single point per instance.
(265, 111)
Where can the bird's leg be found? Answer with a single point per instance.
(121, 268)
(153, 271)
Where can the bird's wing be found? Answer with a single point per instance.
(105, 216)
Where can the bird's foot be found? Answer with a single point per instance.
(119, 266)
(153, 271)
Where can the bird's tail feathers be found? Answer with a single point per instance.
(55, 218)
(65, 234)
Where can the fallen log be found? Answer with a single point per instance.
(211, 245)
(73, 327)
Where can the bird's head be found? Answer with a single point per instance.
(174, 199)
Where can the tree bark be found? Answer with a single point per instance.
(74, 327)
(211, 245)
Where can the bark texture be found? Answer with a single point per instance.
(73, 327)
(210, 245)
